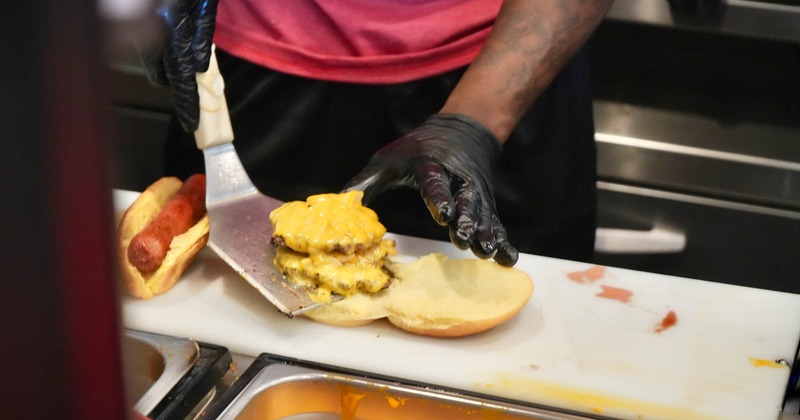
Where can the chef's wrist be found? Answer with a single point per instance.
(498, 123)
(473, 131)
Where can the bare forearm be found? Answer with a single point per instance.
(530, 43)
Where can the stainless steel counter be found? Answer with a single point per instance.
(698, 135)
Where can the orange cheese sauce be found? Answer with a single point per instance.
(395, 402)
(352, 401)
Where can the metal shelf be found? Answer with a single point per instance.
(771, 20)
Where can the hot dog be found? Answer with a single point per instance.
(155, 210)
(147, 249)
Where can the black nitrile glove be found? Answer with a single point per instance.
(186, 51)
(449, 159)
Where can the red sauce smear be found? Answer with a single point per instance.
(669, 321)
(616, 293)
(588, 276)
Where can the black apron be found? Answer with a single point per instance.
(297, 137)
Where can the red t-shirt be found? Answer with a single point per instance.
(359, 41)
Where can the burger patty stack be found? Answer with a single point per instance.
(331, 243)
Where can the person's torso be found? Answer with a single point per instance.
(358, 41)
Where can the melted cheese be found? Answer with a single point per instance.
(328, 223)
(340, 273)
(333, 244)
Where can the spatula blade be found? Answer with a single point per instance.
(241, 232)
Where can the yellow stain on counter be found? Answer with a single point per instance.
(766, 363)
(585, 400)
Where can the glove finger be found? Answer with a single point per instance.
(483, 244)
(153, 64)
(506, 254)
(180, 70)
(204, 16)
(434, 186)
(468, 203)
(372, 180)
(187, 106)
(186, 100)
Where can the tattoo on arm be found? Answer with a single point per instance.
(531, 42)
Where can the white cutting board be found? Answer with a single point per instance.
(567, 348)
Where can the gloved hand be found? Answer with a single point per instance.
(186, 51)
(449, 159)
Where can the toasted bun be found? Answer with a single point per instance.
(182, 251)
(356, 310)
(443, 297)
(439, 297)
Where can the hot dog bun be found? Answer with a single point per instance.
(186, 207)
(439, 297)
(182, 250)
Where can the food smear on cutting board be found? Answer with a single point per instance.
(669, 321)
(590, 275)
(615, 293)
(599, 273)
(586, 400)
(766, 363)
(595, 274)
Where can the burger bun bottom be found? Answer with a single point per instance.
(439, 297)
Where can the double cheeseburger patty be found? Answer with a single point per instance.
(332, 243)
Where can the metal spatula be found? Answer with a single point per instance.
(241, 231)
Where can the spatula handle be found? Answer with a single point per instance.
(215, 122)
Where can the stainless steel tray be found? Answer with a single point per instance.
(275, 387)
(171, 377)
